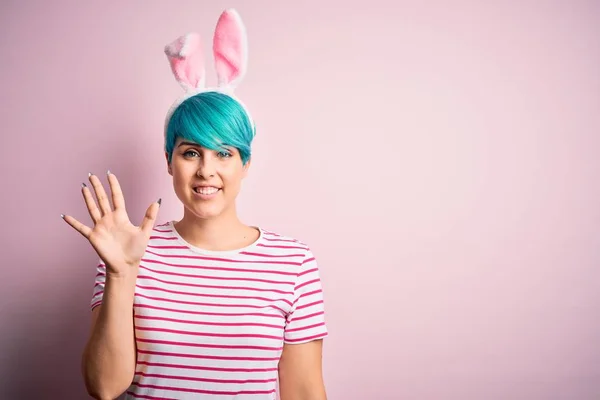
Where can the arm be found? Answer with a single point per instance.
(108, 362)
(300, 366)
(109, 357)
(300, 372)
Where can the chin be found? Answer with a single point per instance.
(205, 211)
(205, 215)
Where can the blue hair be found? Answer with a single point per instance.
(213, 120)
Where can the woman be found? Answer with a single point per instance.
(206, 307)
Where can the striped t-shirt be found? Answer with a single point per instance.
(212, 324)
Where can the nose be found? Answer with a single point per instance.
(206, 167)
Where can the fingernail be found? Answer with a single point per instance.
(159, 201)
(108, 172)
(62, 216)
(83, 185)
(89, 174)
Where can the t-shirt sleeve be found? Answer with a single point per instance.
(306, 319)
(99, 281)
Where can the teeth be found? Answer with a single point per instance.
(206, 190)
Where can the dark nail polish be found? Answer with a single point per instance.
(83, 185)
(159, 201)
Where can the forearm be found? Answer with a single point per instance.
(305, 385)
(109, 356)
(303, 392)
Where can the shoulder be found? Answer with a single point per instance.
(163, 227)
(163, 237)
(162, 231)
(288, 244)
(279, 239)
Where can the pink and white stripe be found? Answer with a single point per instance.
(213, 324)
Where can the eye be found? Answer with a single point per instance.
(190, 153)
(224, 154)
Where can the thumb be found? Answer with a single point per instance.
(150, 217)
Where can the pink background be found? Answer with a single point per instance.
(441, 160)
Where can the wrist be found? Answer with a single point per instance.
(126, 274)
(119, 291)
(119, 285)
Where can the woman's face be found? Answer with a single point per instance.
(206, 181)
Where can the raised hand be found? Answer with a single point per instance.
(118, 242)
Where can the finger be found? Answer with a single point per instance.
(117, 193)
(91, 204)
(150, 217)
(78, 226)
(101, 196)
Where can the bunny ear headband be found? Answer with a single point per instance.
(230, 49)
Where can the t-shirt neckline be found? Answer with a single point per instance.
(200, 250)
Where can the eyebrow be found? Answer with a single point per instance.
(188, 144)
(185, 143)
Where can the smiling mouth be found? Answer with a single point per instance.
(206, 190)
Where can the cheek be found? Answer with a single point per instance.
(182, 173)
(183, 167)
(232, 179)
(177, 175)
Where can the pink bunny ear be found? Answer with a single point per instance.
(230, 49)
(187, 61)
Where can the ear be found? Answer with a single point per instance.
(169, 169)
(230, 49)
(187, 61)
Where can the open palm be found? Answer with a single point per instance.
(118, 242)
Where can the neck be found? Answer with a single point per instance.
(221, 233)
